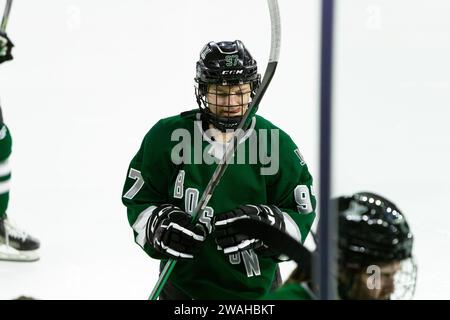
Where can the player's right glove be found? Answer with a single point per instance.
(5, 48)
(231, 240)
(171, 232)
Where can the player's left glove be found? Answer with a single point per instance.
(231, 240)
(5, 48)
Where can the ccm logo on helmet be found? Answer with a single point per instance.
(225, 72)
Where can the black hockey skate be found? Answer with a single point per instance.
(15, 244)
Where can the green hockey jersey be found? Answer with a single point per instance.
(174, 164)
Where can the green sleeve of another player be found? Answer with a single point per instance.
(289, 291)
(146, 183)
(291, 189)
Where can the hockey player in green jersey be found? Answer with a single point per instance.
(15, 244)
(375, 253)
(266, 180)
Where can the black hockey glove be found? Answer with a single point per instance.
(171, 232)
(5, 48)
(232, 240)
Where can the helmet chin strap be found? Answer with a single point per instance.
(221, 123)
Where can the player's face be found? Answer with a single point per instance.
(228, 101)
(381, 291)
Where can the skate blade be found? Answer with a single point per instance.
(10, 254)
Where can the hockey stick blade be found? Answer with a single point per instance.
(222, 166)
(277, 240)
(6, 15)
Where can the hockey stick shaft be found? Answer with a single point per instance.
(6, 15)
(222, 166)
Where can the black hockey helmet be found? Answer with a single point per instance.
(224, 63)
(372, 230)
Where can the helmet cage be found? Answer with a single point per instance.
(220, 109)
